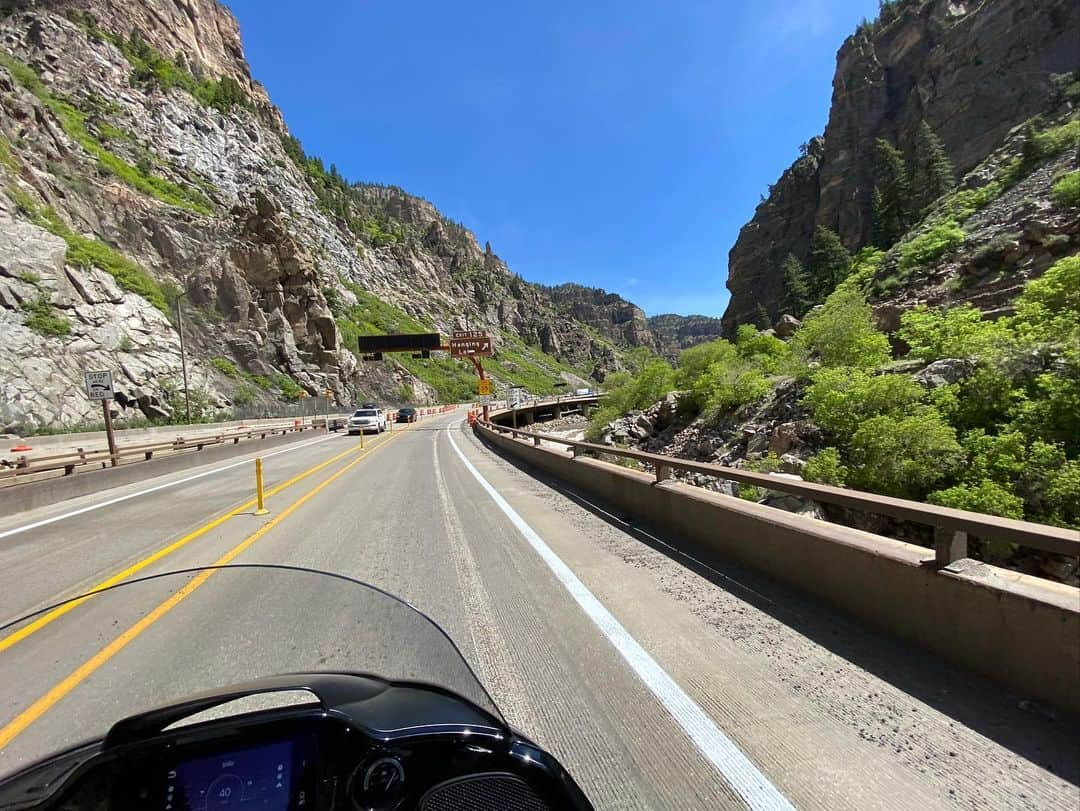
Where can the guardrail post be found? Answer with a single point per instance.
(663, 473)
(576, 450)
(949, 545)
(148, 456)
(536, 441)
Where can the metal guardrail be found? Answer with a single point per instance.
(24, 465)
(951, 527)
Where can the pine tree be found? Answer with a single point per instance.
(827, 264)
(932, 173)
(796, 289)
(763, 320)
(892, 195)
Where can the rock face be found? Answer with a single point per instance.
(625, 324)
(120, 190)
(972, 70)
(612, 316)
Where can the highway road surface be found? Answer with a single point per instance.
(660, 682)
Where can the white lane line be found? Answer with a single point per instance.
(734, 767)
(102, 504)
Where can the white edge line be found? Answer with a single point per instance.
(744, 778)
(102, 504)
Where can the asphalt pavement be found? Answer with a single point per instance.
(659, 682)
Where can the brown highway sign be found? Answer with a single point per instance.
(470, 347)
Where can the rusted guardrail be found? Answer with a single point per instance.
(951, 527)
(68, 462)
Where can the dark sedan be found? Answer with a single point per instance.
(407, 414)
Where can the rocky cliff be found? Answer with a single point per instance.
(972, 70)
(142, 166)
(675, 333)
(625, 324)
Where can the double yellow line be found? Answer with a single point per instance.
(17, 725)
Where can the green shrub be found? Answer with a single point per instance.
(961, 204)
(770, 463)
(926, 248)
(288, 387)
(244, 395)
(722, 389)
(1001, 457)
(949, 332)
(6, 158)
(842, 333)
(1066, 191)
(903, 456)
(985, 497)
(826, 468)
(842, 399)
(1048, 308)
(1063, 495)
(225, 366)
(39, 316)
(696, 359)
(1051, 411)
(768, 351)
(84, 252)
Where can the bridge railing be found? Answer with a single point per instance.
(951, 526)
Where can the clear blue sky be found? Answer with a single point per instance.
(617, 144)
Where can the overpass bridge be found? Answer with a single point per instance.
(673, 648)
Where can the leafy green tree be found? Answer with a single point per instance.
(766, 351)
(932, 174)
(842, 333)
(826, 468)
(763, 319)
(987, 497)
(696, 359)
(841, 399)
(827, 264)
(949, 332)
(892, 195)
(796, 286)
(723, 388)
(903, 456)
(1048, 308)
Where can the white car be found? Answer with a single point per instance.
(367, 419)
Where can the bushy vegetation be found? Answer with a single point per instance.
(930, 245)
(74, 123)
(39, 315)
(1004, 439)
(225, 366)
(956, 332)
(1066, 191)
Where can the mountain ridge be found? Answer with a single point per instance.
(142, 163)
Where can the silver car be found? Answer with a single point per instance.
(364, 420)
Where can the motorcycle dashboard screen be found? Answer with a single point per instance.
(259, 777)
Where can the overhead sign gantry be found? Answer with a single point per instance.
(464, 344)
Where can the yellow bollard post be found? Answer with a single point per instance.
(362, 432)
(260, 509)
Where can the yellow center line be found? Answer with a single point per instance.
(56, 613)
(81, 673)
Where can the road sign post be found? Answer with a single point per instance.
(99, 386)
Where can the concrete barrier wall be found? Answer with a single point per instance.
(1019, 630)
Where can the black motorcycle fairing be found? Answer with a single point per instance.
(441, 745)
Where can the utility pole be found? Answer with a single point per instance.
(183, 353)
